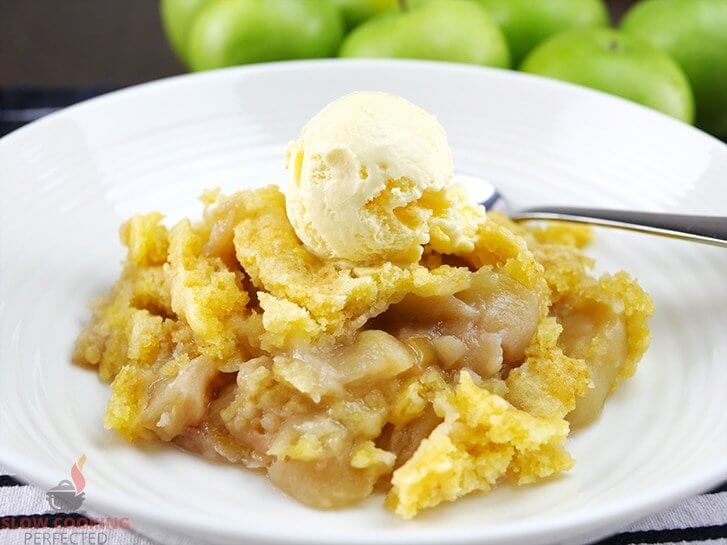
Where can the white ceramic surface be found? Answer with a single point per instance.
(67, 182)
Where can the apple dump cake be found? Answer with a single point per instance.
(369, 330)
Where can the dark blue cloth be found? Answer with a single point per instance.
(21, 105)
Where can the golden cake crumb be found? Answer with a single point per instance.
(436, 378)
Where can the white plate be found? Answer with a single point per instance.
(69, 180)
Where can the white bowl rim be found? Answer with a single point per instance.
(362, 63)
(154, 514)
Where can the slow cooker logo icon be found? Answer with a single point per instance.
(68, 495)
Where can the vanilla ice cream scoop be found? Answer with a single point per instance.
(370, 181)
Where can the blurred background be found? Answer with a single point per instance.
(669, 55)
(92, 42)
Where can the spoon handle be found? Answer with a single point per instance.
(706, 229)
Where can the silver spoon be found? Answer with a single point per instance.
(696, 228)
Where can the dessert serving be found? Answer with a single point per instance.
(369, 330)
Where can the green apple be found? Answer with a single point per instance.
(694, 33)
(445, 30)
(526, 23)
(610, 61)
(231, 32)
(356, 12)
(177, 17)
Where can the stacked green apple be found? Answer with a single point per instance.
(670, 55)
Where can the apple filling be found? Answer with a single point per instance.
(428, 381)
